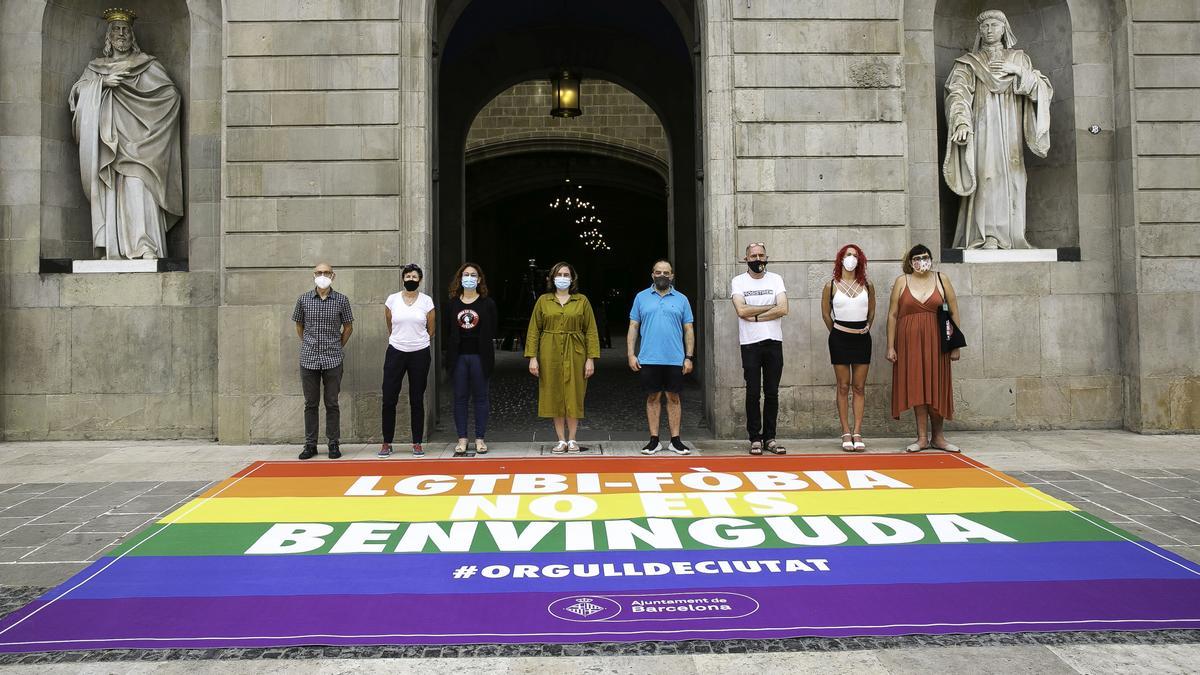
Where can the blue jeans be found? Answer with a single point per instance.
(469, 381)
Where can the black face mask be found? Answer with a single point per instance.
(662, 283)
(410, 285)
(757, 266)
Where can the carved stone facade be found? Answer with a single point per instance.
(309, 132)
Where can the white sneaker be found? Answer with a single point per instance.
(559, 448)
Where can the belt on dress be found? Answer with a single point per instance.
(577, 342)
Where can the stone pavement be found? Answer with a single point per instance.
(63, 504)
(612, 413)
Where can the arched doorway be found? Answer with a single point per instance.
(639, 48)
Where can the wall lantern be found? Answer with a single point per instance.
(566, 95)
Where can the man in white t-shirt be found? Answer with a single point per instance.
(760, 300)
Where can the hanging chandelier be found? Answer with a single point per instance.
(582, 212)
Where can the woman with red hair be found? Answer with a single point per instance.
(848, 309)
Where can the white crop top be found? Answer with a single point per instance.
(846, 308)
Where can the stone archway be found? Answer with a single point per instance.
(639, 46)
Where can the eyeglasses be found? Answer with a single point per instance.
(323, 273)
(923, 256)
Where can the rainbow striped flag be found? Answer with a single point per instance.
(610, 549)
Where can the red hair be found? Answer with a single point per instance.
(860, 272)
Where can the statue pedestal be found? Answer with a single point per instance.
(979, 255)
(112, 266)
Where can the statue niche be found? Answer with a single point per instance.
(126, 121)
(996, 103)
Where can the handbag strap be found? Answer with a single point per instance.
(942, 290)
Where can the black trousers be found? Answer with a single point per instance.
(313, 381)
(762, 366)
(395, 366)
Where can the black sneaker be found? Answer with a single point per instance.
(309, 452)
(652, 446)
(678, 447)
(334, 452)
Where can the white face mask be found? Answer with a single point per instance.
(562, 283)
(470, 282)
(922, 265)
(850, 262)
(323, 282)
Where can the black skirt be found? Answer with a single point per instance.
(846, 349)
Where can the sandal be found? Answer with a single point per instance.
(559, 448)
(847, 446)
(480, 447)
(756, 447)
(460, 450)
(776, 448)
(859, 446)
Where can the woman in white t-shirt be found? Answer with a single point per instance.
(411, 321)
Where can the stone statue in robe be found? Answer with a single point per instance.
(126, 120)
(996, 104)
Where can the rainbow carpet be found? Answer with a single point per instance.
(610, 549)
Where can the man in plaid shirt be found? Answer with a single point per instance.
(324, 323)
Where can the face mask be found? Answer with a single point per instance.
(562, 283)
(757, 266)
(922, 265)
(662, 283)
(410, 285)
(850, 262)
(323, 282)
(470, 282)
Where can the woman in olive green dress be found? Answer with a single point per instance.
(561, 344)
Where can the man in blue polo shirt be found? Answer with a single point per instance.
(663, 318)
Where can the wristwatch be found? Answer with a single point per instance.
(689, 357)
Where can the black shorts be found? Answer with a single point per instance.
(661, 378)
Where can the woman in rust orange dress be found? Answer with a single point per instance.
(920, 371)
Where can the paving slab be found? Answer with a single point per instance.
(33, 534)
(1005, 660)
(116, 522)
(863, 662)
(72, 514)
(75, 489)
(36, 506)
(73, 547)
(148, 504)
(1183, 529)
(38, 574)
(1131, 659)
